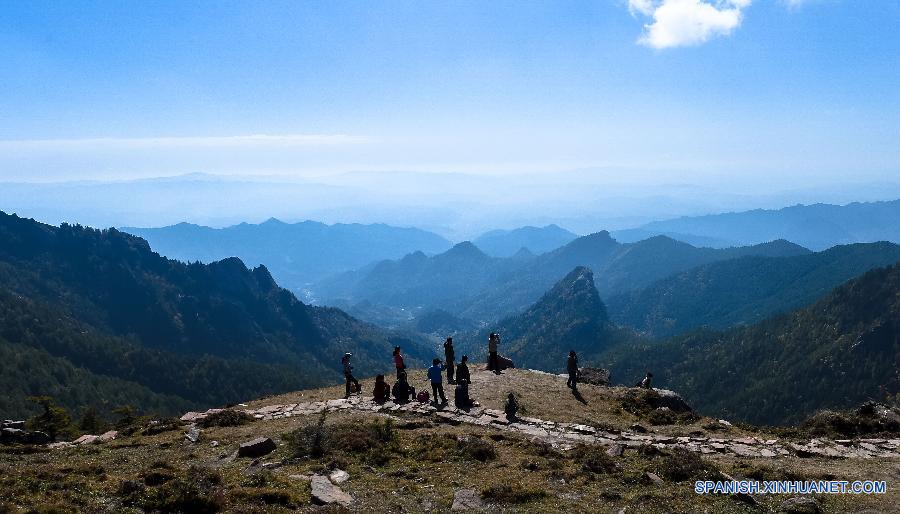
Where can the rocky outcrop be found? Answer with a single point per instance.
(21, 436)
(594, 376)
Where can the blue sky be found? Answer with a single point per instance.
(655, 90)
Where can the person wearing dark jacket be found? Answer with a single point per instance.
(493, 361)
(572, 368)
(449, 359)
(511, 407)
(382, 391)
(348, 375)
(403, 392)
(462, 370)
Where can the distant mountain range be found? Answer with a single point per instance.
(96, 318)
(745, 290)
(536, 240)
(472, 285)
(836, 353)
(817, 226)
(295, 253)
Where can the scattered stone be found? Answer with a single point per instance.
(257, 447)
(615, 450)
(640, 429)
(653, 478)
(594, 376)
(326, 493)
(193, 434)
(467, 499)
(800, 505)
(724, 422)
(339, 476)
(214, 444)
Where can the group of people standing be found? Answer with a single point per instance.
(457, 374)
(402, 392)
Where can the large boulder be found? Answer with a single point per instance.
(594, 376)
(672, 401)
(257, 447)
(503, 363)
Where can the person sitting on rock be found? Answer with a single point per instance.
(348, 375)
(435, 374)
(462, 370)
(572, 368)
(382, 391)
(398, 362)
(647, 381)
(511, 407)
(450, 358)
(403, 392)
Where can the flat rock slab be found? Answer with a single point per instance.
(257, 447)
(326, 493)
(800, 505)
(467, 499)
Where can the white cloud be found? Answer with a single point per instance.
(186, 141)
(687, 22)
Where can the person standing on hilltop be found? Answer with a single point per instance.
(398, 362)
(462, 370)
(348, 375)
(493, 362)
(572, 368)
(435, 374)
(449, 359)
(647, 381)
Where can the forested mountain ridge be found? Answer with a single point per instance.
(296, 253)
(745, 290)
(207, 334)
(836, 353)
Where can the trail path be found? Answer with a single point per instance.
(567, 435)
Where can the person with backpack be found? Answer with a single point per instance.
(493, 362)
(462, 371)
(572, 368)
(450, 358)
(398, 362)
(435, 374)
(348, 375)
(382, 391)
(403, 392)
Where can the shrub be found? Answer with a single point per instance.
(661, 416)
(683, 465)
(226, 418)
(309, 441)
(54, 420)
(265, 495)
(513, 493)
(595, 460)
(90, 422)
(199, 492)
(640, 401)
(477, 449)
